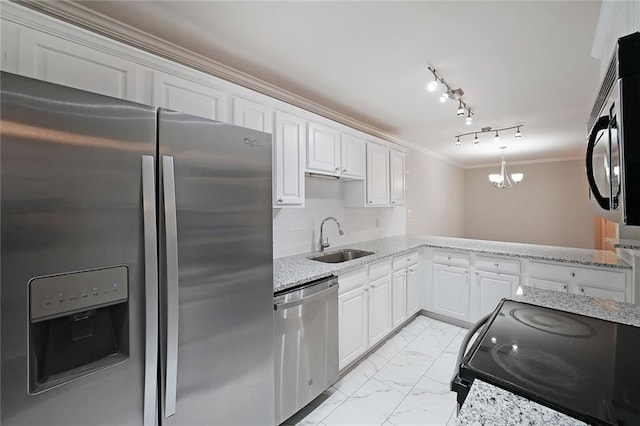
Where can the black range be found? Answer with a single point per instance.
(582, 366)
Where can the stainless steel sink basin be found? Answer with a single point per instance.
(342, 256)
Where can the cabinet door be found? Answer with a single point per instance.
(353, 324)
(379, 309)
(60, 61)
(600, 293)
(413, 290)
(397, 178)
(489, 289)
(548, 284)
(377, 175)
(353, 157)
(399, 297)
(289, 154)
(252, 115)
(179, 94)
(323, 150)
(451, 291)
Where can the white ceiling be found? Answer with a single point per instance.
(518, 62)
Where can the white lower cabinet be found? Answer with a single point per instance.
(601, 283)
(399, 297)
(353, 316)
(487, 291)
(380, 303)
(413, 289)
(450, 291)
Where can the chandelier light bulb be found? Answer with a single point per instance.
(518, 134)
(476, 140)
(432, 86)
(460, 110)
(496, 137)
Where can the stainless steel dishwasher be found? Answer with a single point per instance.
(306, 344)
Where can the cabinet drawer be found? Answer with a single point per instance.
(379, 270)
(598, 278)
(499, 265)
(451, 258)
(405, 260)
(352, 280)
(548, 271)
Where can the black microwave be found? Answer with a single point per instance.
(613, 147)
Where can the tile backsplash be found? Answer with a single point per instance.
(297, 230)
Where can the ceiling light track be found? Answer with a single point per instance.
(496, 138)
(449, 93)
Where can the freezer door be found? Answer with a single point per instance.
(72, 217)
(216, 273)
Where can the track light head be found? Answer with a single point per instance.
(458, 143)
(518, 134)
(460, 110)
(432, 86)
(444, 97)
(496, 138)
(468, 121)
(476, 140)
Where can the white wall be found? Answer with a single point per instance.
(435, 196)
(298, 230)
(550, 206)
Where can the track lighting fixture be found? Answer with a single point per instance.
(449, 93)
(497, 131)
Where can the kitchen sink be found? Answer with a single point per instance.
(342, 256)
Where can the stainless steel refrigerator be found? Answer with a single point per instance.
(136, 264)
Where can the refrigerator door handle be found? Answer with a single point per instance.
(150, 289)
(171, 235)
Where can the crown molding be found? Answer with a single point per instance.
(79, 15)
(524, 162)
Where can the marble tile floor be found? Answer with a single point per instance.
(404, 382)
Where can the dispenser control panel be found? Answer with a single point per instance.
(63, 294)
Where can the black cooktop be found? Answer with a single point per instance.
(585, 367)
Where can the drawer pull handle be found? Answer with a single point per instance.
(564, 287)
(582, 289)
(573, 274)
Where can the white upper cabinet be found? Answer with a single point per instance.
(290, 142)
(60, 61)
(323, 149)
(252, 115)
(353, 157)
(377, 175)
(179, 94)
(397, 178)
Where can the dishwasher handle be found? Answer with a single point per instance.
(281, 306)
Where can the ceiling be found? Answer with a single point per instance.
(517, 62)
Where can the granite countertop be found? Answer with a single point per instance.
(624, 244)
(298, 269)
(488, 405)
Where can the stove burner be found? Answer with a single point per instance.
(552, 322)
(542, 370)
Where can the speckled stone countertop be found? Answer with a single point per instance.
(624, 244)
(490, 405)
(298, 269)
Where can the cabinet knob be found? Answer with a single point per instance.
(337, 169)
(497, 265)
(366, 289)
(344, 170)
(449, 257)
(279, 200)
(393, 202)
(581, 289)
(370, 202)
(477, 273)
(573, 274)
(564, 287)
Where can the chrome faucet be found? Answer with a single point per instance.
(324, 242)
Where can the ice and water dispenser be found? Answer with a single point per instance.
(78, 324)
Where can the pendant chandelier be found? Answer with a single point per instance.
(504, 180)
